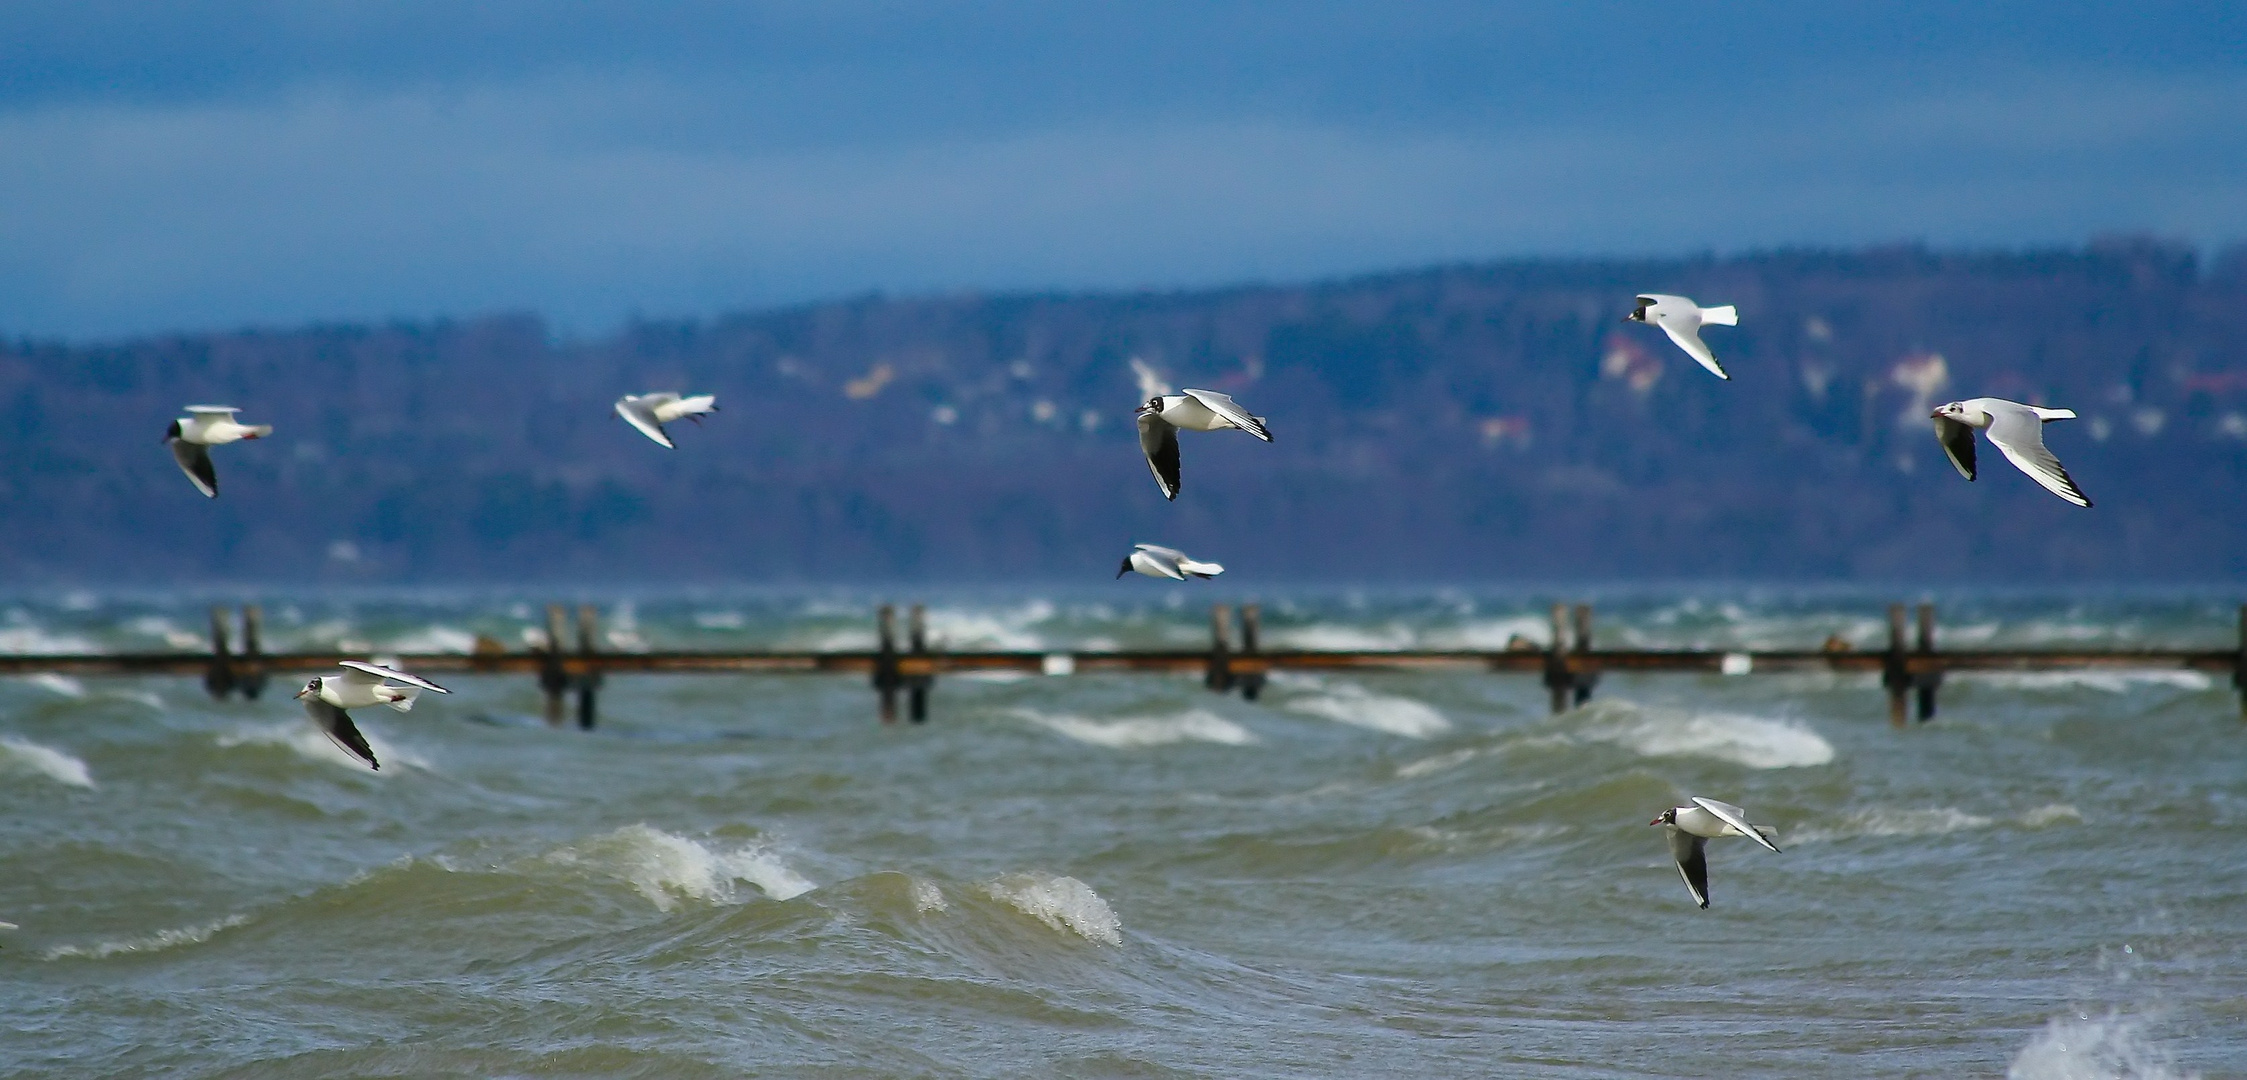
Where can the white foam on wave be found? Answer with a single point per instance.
(1349, 703)
(1430, 765)
(1337, 637)
(1490, 633)
(19, 756)
(2081, 1047)
(148, 943)
(58, 684)
(927, 898)
(1063, 903)
(32, 640)
(313, 744)
(1929, 821)
(1195, 725)
(721, 620)
(1753, 741)
(667, 869)
(2112, 682)
(436, 638)
(1004, 629)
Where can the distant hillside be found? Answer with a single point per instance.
(1493, 422)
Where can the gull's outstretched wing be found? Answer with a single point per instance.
(2019, 432)
(216, 411)
(640, 414)
(195, 460)
(1690, 341)
(1173, 554)
(360, 672)
(1223, 405)
(1159, 441)
(337, 726)
(1958, 442)
(1735, 817)
(1691, 853)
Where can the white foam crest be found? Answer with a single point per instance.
(1337, 637)
(1490, 633)
(29, 640)
(1196, 725)
(435, 638)
(1004, 629)
(851, 640)
(667, 868)
(1430, 765)
(2080, 1047)
(2112, 682)
(1893, 821)
(1753, 741)
(17, 755)
(721, 620)
(313, 744)
(2050, 815)
(1349, 703)
(156, 942)
(1063, 903)
(927, 898)
(59, 684)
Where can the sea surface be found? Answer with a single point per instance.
(1127, 875)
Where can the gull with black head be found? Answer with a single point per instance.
(1690, 828)
(328, 699)
(649, 412)
(1195, 410)
(1157, 561)
(192, 436)
(1683, 319)
(2015, 429)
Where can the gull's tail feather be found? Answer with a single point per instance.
(259, 431)
(1727, 315)
(1201, 569)
(404, 703)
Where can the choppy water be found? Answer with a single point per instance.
(1127, 875)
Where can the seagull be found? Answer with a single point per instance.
(1197, 410)
(649, 412)
(192, 436)
(2017, 429)
(326, 699)
(1154, 560)
(1683, 319)
(1690, 828)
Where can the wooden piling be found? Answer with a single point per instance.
(1895, 675)
(250, 678)
(1218, 676)
(218, 677)
(885, 676)
(588, 680)
(2239, 665)
(917, 670)
(1559, 684)
(1931, 677)
(1583, 680)
(1249, 668)
(553, 679)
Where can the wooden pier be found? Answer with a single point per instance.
(1911, 667)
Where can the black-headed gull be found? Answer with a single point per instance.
(1690, 828)
(192, 436)
(649, 412)
(1683, 319)
(2016, 429)
(327, 697)
(1154, 560)
(1196, 410)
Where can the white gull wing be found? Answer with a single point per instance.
(195, 460)
(1691, 853)
(1173, 554)
(359, 672)
(2018, 431)
(1154, 565)
(1735, 817)
(337, 726)
(1685, 330)
(1958, 442)
(1200, 569)
(1224, 406)
(1159, 441)
(680, 407)
(638, 413)
(214, 411)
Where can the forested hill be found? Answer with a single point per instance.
(1464, 423)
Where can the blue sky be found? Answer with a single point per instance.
(171, 165)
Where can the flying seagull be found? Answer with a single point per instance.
(649, 412)
(1154, 560)
(2017, 429)
(327, 697)
(1691, 827)
(192, 436)
(1196, 410)
(1683, 319)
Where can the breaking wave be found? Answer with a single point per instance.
(19, 756)
(1349, 703)
(1196, 725)
(156, 942)
(1752, 741)
(2080, 1047)
(668, 869)
(2112, 682)
(1930, 821)
(1063, 903)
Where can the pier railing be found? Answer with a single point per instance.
(1568, 661)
